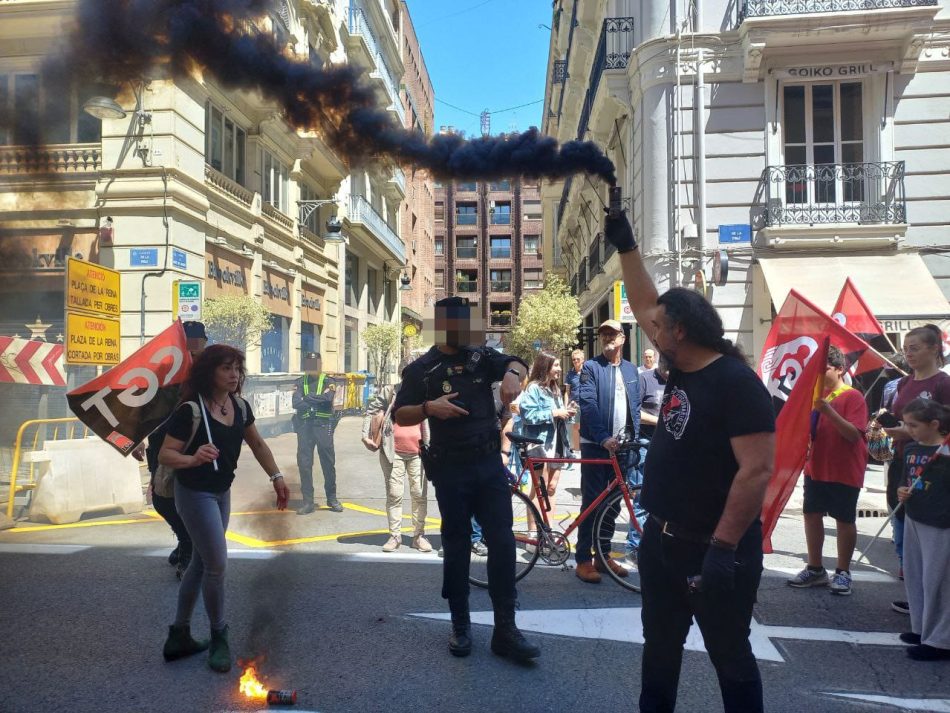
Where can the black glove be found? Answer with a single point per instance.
(719, 569)
(619, 233)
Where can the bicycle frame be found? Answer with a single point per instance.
(618, 481)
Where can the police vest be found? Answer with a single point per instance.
(316, 412)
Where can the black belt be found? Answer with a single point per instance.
(457, 453)
(673, 530)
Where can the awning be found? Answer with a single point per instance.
(892, 285)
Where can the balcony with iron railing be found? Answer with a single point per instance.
(594, 259)
(228, 187)
(613, 52)
(359, 26)
(836, 193)
(362, 212)
(773, 8)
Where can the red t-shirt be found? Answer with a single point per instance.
(833, 459)
(407, 438)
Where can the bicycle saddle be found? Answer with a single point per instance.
(523, 440)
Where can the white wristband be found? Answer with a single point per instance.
(275, 476)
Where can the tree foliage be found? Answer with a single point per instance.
(382, 346)
(236, 320)
(550, 316)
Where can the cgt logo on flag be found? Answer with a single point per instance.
(133, 398)
(784, 363)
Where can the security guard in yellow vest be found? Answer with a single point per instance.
(315, 422)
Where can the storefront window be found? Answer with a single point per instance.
(274, 352)
(309, 337)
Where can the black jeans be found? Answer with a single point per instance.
(594, 480)
(316, 433)
(668, 609)
(476, 487)
(166, 508)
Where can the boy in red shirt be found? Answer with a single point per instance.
(834, 475)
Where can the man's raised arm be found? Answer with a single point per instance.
(641, 292)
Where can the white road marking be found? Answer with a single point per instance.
(623, 624)
(232, 554)
(415, 557)
(41, 549)
(936, 705)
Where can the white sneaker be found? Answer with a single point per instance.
(420, 543)
(392, 544)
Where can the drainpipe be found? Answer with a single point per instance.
(699, 131)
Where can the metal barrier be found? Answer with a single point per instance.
(59, 425)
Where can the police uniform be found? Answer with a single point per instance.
(315, 423)
(463, 461)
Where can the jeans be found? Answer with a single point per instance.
(594, 479)
(634, 475)
(206, 516)
(316, 432)
(898, 525)
(476, 488)
(476, 531)
(166, 508)
(723, 618)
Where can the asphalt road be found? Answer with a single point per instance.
(85, 609)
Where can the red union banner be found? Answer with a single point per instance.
(791, 440)
(28, 361)
(795, 335)
(853, 313)
(130, 400)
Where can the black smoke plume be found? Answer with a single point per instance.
(121, 41)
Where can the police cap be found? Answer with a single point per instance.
(194, 330)
(453, 307)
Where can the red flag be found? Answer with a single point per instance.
(853, 313)
(792, 434)
(130, 400)
(796, 332)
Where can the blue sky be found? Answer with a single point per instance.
(484, 54)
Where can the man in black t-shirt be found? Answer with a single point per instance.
(705, 478)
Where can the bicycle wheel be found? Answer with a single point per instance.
(526, 549)
(612, 525)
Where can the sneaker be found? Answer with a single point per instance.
(334, 505)
(419, 542)
(909, 637)
(480, 548)
(809, 578)
(901, 607)
(392, 544)
(841, 584)
(308, 507)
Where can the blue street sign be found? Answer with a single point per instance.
(179, 259)
(143, 257)
(735, 234)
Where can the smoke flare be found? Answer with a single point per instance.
(122, 41)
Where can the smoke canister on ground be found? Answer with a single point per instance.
(281, 698)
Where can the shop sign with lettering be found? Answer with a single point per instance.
(226, 276)
(277, 292)
(832, 71)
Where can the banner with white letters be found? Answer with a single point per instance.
(134, 397)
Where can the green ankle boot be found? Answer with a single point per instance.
(180, 644)
(219, 656)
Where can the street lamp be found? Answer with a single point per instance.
(104, 108)
(334, 226)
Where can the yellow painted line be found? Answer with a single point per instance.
(254, 542)
(383, 513)
(74, 525)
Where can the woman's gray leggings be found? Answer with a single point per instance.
(206, 517)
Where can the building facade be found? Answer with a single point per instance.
(417, 280)
(488, 247)
(198, 182)
(761, 145)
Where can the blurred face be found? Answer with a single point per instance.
(665, 335)
(195, 345)
(832, 376)
(921, 430)
(227, 376)
(555, 373)
(611, 342)
(577, 361)
(649, 359)
(312, 366)
(918, 354)
(458, 329)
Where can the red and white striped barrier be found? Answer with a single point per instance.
(26, 361)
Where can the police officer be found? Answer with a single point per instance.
(451, 385)
(315, 423)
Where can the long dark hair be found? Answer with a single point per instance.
(699, 319)
(541, 368)
(201, 377)
(932, 336)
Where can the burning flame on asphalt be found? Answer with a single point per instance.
(251, 686)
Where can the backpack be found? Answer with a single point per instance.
(163, 481)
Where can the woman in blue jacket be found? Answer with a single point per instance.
(541, 408)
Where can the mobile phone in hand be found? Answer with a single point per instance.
(887, 419)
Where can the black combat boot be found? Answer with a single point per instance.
(460, 643)
(506, 639)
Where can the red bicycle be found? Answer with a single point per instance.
(535, 538)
